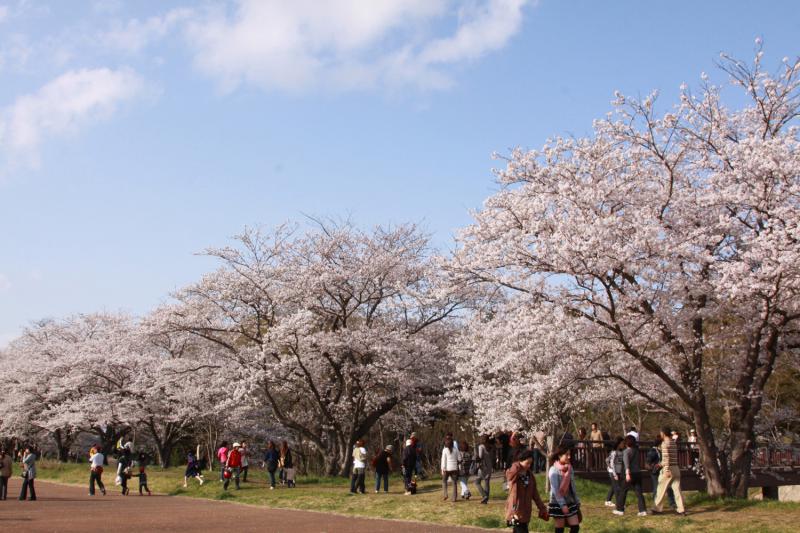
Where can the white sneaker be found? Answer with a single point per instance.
(609, 504)
(618, 513)
(642, 513)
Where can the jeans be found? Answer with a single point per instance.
(636, 484)
(96, 477)
(271, 477)
(408, 474)
(479, 481)
(454, 476)
(244, 473)
(385, 477)
(613, 490)
(3, 487)
(27, 485)
(464, 487)
(539, 461)
(235, 471)
(357, 480)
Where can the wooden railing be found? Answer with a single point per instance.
(587, 456)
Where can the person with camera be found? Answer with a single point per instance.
(28, 475)
(521, 492)
(565, 506)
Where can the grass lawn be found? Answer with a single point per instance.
(332, 495)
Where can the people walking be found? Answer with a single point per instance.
(565, 506)
(192, 470)
(466, 467)
(633, 478)
(287, 463)
(28, 475)
(485, 460)
(142, 464)
(271, 459)
(357, 480)
(670, 475)
(409, 464)
(539, 446)
(419, 471)
(596, 453)
(521, 492)
(382, 463)
(615, 467)
(6, 468)
(449, 465)
(653, 459)
(222, 456)
(124, 464)
(234, 465)
(96, 463)
(245, 461)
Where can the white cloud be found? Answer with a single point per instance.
(64, 105)
(135, 35)
(343, 44)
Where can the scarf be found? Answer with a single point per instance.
(566, 477)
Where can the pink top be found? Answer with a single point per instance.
(222, 454)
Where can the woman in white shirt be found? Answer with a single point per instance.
(451, 457)
(359, 468)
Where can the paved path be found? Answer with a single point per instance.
(61, 508)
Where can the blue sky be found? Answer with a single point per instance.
(135, 134)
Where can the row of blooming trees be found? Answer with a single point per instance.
(657, 260)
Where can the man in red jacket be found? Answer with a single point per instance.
(234, 464)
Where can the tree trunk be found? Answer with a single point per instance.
(64, 442)
(709, 455)
(164, 451)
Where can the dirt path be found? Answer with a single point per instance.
(61, 508)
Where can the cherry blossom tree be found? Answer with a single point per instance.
(73, 375)
(327, 331)
(659, 255)
(177, 390)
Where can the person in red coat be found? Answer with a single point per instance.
(521, 492)
(234, 464)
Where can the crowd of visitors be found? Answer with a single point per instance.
(518, 458)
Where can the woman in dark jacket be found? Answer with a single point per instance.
(124, 469)
(632, 479)
(383, 466)
(287, 464)
(271, 459)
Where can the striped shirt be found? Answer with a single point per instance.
(669, 452)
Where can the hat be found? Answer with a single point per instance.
(413, 434)
(236, 445)
(389, 448)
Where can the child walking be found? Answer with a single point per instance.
(143, 475)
